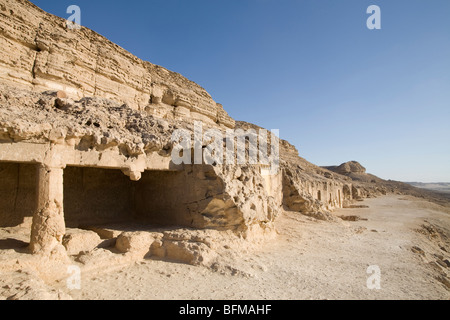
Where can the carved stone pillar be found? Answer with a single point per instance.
(48, 226)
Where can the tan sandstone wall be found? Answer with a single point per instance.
(17, 193)
(40, 53)
(100, 161)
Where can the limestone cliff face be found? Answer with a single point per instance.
(103, 142)
(38, 52)
(305, 187)
(73, 104)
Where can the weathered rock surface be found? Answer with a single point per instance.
(77, 241)
(101, 133)
(40, 53)
(195, 247)
(307, 188)
(79, 105)
(136, 243)
(366, 185)
(349, 167)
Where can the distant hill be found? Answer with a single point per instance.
(371, 185)
(436, 186)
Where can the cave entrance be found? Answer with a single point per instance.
(94, 196)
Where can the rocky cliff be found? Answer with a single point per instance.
(366, 185)
(40, 53)
(93, 126)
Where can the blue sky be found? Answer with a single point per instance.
(311, 68)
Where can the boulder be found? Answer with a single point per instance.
(76, 241)
(137, 243)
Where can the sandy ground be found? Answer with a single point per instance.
(406, 238)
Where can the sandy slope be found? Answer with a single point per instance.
(310, 259)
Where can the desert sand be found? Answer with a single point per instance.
(405, 237)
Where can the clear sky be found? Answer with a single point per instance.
(311, 68)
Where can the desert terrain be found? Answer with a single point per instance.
(407, 238)
(101, 198)
(438, 186)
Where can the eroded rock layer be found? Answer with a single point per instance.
(86, 141)
(39, 52)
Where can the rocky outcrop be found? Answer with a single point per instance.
(348, 168)
(87, 137)
(307, 188)
(95, 123)
(366, 185)
(40, 53)
(77, 241)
